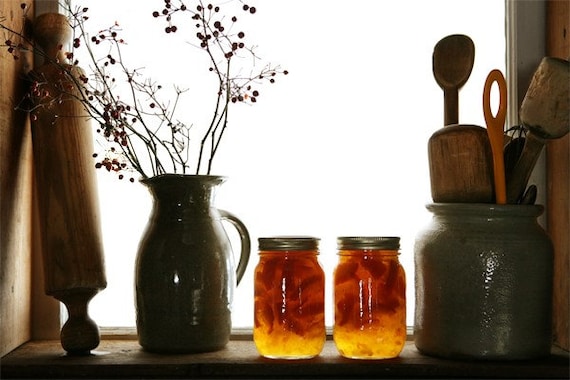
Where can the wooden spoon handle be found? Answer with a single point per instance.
(495, 130)
(450, 105)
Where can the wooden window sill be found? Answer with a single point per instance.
(124, 358)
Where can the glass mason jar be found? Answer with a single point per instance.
(369, 298)
(289, 288)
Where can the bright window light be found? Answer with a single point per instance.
(338, 147)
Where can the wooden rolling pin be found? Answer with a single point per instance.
(62, 141)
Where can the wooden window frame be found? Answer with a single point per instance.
(29, 316)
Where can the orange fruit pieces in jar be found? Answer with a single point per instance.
(289, 298)
(369, 293)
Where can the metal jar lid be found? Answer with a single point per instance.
(288, 243)
(368, 242)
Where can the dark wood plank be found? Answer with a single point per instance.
(15, 189)
(125, 359)
(558, 172)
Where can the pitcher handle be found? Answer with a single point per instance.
(245, 242)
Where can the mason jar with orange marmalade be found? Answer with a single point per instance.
(369, 298)
(289, 289)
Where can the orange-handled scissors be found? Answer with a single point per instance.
(495, 130)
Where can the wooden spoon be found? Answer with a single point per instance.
(459, 154)
(453, 58)
(495, 130)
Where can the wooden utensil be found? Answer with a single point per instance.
(459, 154)
(529, 196)
(496, 132)
(460, 163)
(62, 141)
(452, 60)
(511, 154)
(545, 114)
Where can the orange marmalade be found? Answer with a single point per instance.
(289, 288)
(369, 298)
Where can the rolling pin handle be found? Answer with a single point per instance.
(79, 334)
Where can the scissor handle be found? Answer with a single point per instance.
(495, 130)
(495, 76)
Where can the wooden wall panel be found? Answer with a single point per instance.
(558, 169)
(15, 195)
